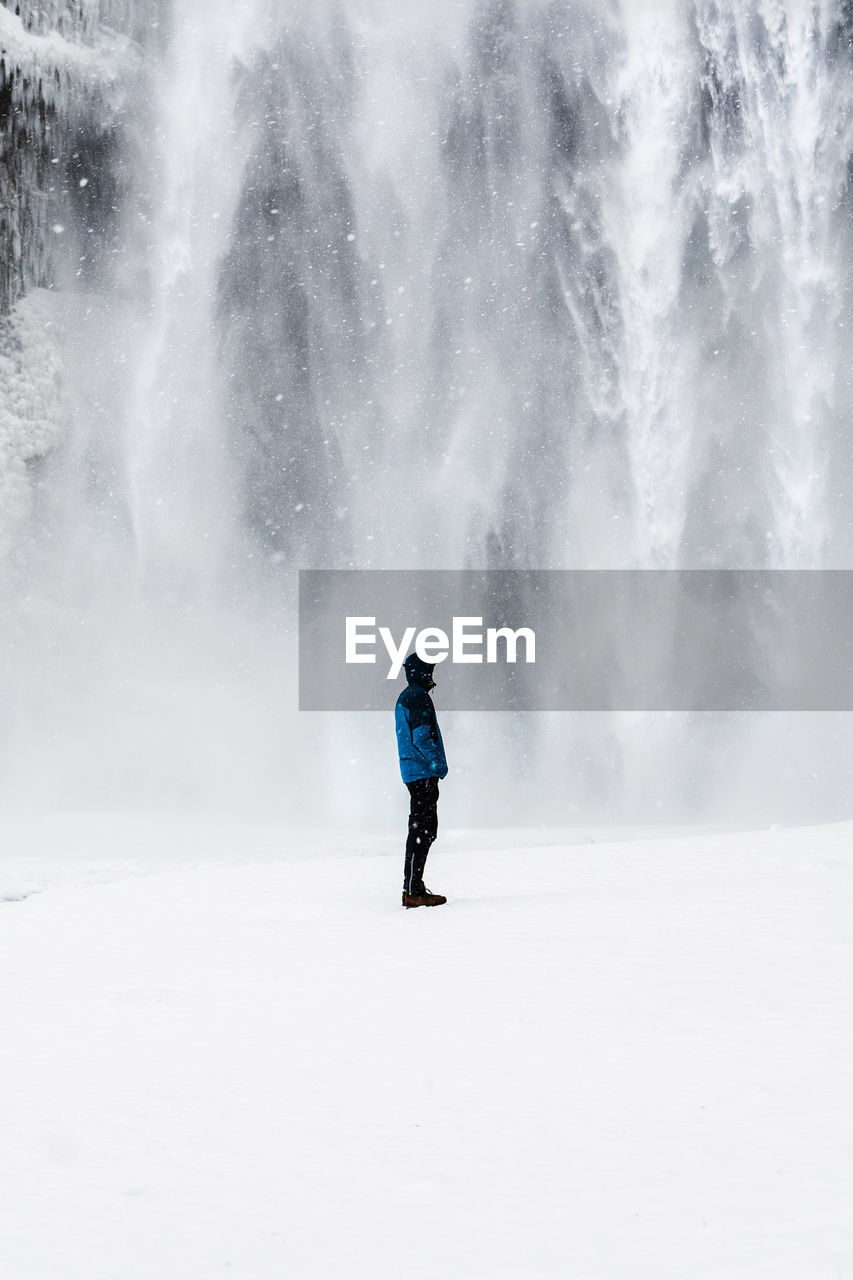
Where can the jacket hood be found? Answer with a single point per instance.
(419, 672)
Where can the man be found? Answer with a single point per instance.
(422, 763)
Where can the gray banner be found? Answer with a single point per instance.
(623, 640)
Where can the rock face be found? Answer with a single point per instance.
(61, 71)
(64, 68)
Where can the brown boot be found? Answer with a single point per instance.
(423, 899)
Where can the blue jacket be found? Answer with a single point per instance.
(419, 741)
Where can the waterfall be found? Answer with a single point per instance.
(491, 283)
(187, 157)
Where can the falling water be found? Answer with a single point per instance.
(177, 487)
(491, 283)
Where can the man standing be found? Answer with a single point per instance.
(422, 763)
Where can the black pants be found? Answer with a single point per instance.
(423, 828)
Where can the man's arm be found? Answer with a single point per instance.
(421, 716)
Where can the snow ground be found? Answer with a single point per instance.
(227, 1051)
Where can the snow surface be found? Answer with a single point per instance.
(229, 1052)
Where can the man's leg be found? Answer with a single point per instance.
(423, 828)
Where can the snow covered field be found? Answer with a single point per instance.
(227, 1051)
